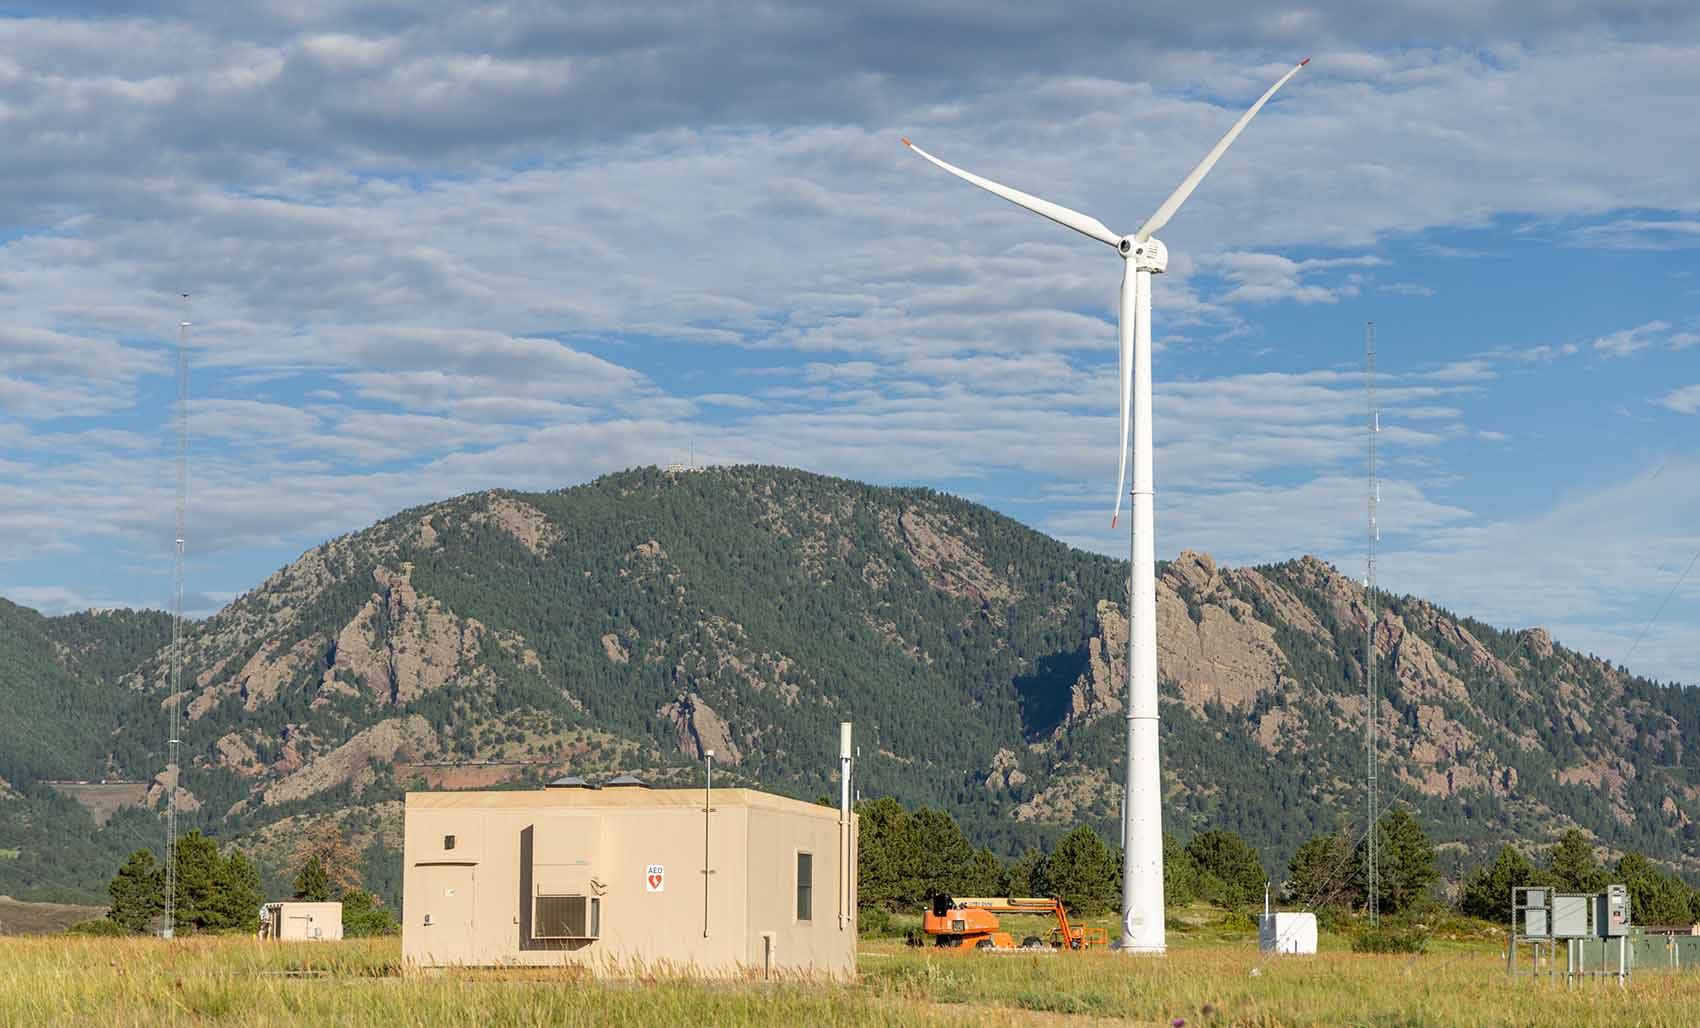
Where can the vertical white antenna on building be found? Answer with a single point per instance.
(1371, 696)
(173, 770)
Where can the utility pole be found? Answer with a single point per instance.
(1372, 699)
(174, 770)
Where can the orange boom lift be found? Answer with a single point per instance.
(970, 923)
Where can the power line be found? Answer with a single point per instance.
(1679, 580)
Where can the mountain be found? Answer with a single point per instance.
(633, 622)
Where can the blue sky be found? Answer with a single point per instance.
(520, 245)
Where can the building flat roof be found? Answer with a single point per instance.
(612, 799)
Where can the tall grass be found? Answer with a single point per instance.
(68, 981)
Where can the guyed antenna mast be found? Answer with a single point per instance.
(173, 770)
(1372, 876)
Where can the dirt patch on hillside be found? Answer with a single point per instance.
(103, 799)
(20, 917)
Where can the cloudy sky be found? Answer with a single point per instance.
(521, 244)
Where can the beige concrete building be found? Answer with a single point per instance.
(295, 921)
(621, 879)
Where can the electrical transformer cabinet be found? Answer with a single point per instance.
(1613, 919)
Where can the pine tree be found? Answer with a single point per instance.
(199, 871)
(1180, 873)
(1655, 898)
(943, 857)
(1406, 868)
(1027, 875)
(1321, 873)
(1571, 864)
(363, 915)
(1082, 873)
(985, 876)
(1232, 863)
(339, 861)
(239, 893)
(1488, 890)
(885, 857)
(312, 884)
(138, 892)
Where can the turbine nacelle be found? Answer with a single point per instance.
(1145, 255)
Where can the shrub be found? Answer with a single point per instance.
(875, 922)
(1391, 939)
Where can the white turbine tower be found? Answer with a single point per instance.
(1142, 256)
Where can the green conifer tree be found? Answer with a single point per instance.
(1082, 873)
(1407, 861)
(311, 883)
(239, 894)
(138, 892)
(1230, 860)
(1487, 890)
(1572, 866)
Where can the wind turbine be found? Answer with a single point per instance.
(1143, 255)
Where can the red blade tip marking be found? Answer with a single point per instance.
(906, 141)
(1304, 62)
(1112, 521)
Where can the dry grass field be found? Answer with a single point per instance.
(64, 981)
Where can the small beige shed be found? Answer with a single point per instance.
(629, 878)
(297, 921)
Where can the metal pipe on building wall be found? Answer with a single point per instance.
(707, 813)
(844, 762)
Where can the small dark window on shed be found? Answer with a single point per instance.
(805, 886)
(448, 842)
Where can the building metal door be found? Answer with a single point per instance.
(450, 896)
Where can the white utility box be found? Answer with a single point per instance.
(1286, 933)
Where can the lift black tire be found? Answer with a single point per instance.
(1033, 942)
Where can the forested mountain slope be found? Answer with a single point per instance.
(630, 623)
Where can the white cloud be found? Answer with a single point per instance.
(1685, 400)
(1625, 342)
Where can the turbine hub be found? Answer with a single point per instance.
(1148, 255)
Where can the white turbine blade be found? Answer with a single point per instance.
(1161, 215)
(1056, 212)
(1128, 311)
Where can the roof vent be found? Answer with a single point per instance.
(570, 782)
(625, 781)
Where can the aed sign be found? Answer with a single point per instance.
(655, 878)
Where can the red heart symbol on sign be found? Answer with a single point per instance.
(654, 881)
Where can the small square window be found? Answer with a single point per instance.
(448, 842)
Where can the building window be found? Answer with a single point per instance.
(805, 886)
(566, 917)
(448, 842)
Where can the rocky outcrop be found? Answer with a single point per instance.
(699, 729)
(1209, 642)
(403, 645)
(1074, 794)
(352, 761)
(615, 651)
(948, 562)
(530, 526)
(161, 785)
(236, 755)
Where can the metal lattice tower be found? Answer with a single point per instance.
(173, 769)
(1372, 698)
